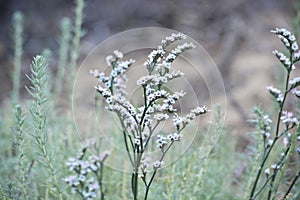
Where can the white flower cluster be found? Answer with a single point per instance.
(145, 162)
(156, 95)
(156, 60)
(116, 76)
(157, 164)
(288, 39)
(288, 119)
(284, 60)
(175, 137)
(295, 82)
(121, 68)
(80, 182)
(172, 38)
(164, 140)
(88, 192)
(263, 125)
(275, 167)
(174, 97)
(161, 116)
(111, 60)
(157, 79)
(275, 93)
(267, 172)
(296, 92)
(178, 50)
(140, 123)
(297, 56)
(266, 123)
(181, 122)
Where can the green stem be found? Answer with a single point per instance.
(292, 185)
(261, 189)
(276, 135)
(100, 181)
(18, 51)
(155, 171)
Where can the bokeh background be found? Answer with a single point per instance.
(235, 33)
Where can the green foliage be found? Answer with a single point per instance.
(18, 51)
(277, 141)
(63, 55)
(36, 143)
(19, 143)
(38, 111)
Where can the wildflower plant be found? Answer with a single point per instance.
(86, 177)
(38, 110)
(272, 178)
(19, 143)
(18, 51)
(139, 123)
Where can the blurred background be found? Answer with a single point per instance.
(235, 33)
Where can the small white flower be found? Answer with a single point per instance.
(157, 164)
(93, 167)
(285, 141)
(109, 60)
(177, 120)
(283, 59)
(81, 177)
(174, 137)
(137, 141)
(270, 142)
(295, 46)
(162, 141)
(114, 73)
(199, 110)
(70, 179)
(276, 93)
(170, 39)
(94, 72)
(267, 172)
(275, 167)
(295, 82)
(161, 116)
(292, 37)
(267, 134)
(287, 118)
(285, 41)
(297, 55)
(118, 54)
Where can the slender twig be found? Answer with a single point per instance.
(292, 184)
(276, 131)
(264, 185)
(279, 164)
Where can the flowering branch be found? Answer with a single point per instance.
(284, 117)
(139, 123)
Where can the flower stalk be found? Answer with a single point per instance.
(139, 124)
